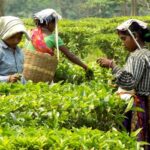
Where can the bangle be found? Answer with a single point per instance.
(9, 78)
(111, 64)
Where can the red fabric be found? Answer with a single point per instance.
(39, 43)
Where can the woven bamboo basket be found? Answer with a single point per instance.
(39, 67)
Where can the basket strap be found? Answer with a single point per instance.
(56, 39)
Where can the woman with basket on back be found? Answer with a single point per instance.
(45, 41)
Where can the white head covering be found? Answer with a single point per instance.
(47, 15)
(125, 27)
(10, 25)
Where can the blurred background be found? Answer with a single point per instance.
(76, 9)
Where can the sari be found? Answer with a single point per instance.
(38, 42)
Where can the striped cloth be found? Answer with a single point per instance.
(10, 25)
(138, 64)
(125, 80)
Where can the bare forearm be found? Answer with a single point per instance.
(76, 60)
(73, 58)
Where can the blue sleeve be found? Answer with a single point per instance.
(3, 78)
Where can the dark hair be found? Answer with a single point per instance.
(50, 19)
(136, 28)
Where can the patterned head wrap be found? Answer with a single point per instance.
(10, 25)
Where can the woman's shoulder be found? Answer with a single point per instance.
(141, 53)
(144, 53)
(3, 46)
(19, 49)
(50, 36)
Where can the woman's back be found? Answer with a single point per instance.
(49, 41)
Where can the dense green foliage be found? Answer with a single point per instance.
(75, 139)
(89, 39)
(58, 106)
(73, 113)
(63, 116)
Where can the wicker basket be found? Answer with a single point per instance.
(39, 67)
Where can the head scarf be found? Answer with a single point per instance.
(126, 25)
(47, 15)
(10, 25)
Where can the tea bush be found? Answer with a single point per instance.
(73, 113)
(88, 37)
(62, 116)
(61, 105)
(84, 138)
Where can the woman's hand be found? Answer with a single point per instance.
(14, 78)
(89, 74)
(104, 62)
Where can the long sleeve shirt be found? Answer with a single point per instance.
(11, 61)
(138, 64)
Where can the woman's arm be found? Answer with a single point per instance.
(124, 78)
(135, 67)
(73, 58)
(11, 78)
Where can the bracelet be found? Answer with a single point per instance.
(9, 78)
(111, 64)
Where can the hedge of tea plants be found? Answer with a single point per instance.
(73, 113)
(89, 39)
(63, 116)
